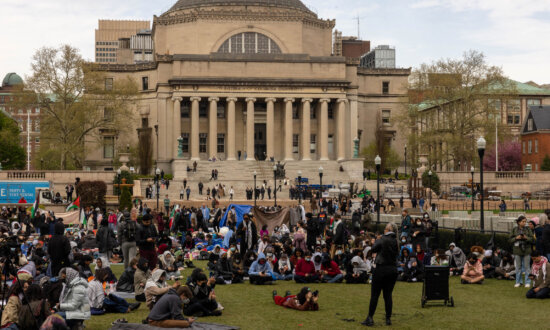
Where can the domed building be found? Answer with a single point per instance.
(254, 80)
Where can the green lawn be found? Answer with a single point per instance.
(495, 304)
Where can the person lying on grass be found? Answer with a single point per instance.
(305, 300)
(167, 311)
(540, 275)
(473, 271)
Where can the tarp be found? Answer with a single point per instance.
(69, 218)
(271, 219)
(195, 325)
(240, 210)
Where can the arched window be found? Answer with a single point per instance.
(249, 43)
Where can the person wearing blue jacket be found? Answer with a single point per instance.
(260, 271)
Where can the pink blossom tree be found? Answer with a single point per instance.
(509, 157)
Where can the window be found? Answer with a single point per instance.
(108, 84)
(513, 119)
(221, 113)
(37, 125)
(536, 146)
(37, 110)
(203, 138)
(534, 102)
(495, 104)
(203, 110)
(529, 147)
(185, 108)
(523, 147)
(221, 142)
(249, 43)
(108, 146)
(185, 142)
(386, 114)
(295, 112)
(145, 83)
(385, 87)
(514, 105)
(295, 143)
(330, 111)
(37, 140)
(530, 124)
(313, 143)
(313, 113)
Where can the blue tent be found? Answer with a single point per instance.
(240, 210)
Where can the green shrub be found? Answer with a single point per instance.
(123, 175)
(125, 199)
(435, 184)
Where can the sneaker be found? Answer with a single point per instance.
(517, 285)
(463, 282)
(368, 322)
(134, 306)
(528, 285)
(216, 313)
(274, 293)
(288, 293)
(388, 320)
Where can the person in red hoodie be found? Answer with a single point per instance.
(330, 271)
(305, 270)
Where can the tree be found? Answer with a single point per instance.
(452, 103)
(78, 104)
(380, 146)
(92, 193)
(435, 185)
(12, 155)
(509, 157)
(545, 166)
(125, 199)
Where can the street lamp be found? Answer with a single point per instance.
(430, 183)
(275, 183)
(481, 144)
(118, 172)
(157, 182)
(300, 187)
(377, 162)
(255, 190)
(405, 161)
(472, 171)
(321, 181)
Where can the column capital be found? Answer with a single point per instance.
(324, 100)
(271, 99)
(177, 98)
(216, 99)
(342, 100)
(289, 99)
(250, 99)
(231, 99)
(195, 98)
(304, 100)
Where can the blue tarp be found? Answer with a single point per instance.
(240, 210)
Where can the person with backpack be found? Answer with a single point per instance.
(106, 239)
(126, 230)
(31, 318)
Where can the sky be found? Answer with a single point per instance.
(513, 34)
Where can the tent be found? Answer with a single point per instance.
(240, 210)
(271, 219)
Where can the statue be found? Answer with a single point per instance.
(180, 147)
(356, 148)
(280, 172)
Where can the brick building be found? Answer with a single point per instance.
(535, 138)
(28, 119)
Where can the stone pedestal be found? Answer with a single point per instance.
(179, 169)
(354, 168)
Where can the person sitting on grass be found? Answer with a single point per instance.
(305, 270)
(156, 287)
(305, 300)
(238, 272)
(100, 303)
(103, 263)
(203, 302)
(457, 259)
(506, 269)
(260, 271)
(167, 311)
(73, 304)
(283, 270)
(330, 271)
(143, 273)
(473, 271)
(440, 258)
(126, 281)
(359, 273)
(490, 263)
(84, 266)
(540, 275)
(224, 270)
(168, 263)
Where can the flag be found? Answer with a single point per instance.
(35, 205)
(74, 205)
(172, 216)
(83, 219)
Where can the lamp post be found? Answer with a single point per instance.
(405, 161)
(118, 172)
(430, 183)
(157, 182)
(481, 144)
(321, 181)
(472, 171)
(275, 183)
(377, 162)
(300, 187)
(255, 190)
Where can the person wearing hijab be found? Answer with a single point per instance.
(143, 273)
(100, 302)
(59, 248)
(73, 303)
(359, 273)
(168, 263)
(156, 286)
(126, 281)
(103, 263)
(540, 270)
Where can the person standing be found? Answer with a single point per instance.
(385, 273)
(146, 238)
(200, 187)
(248, 234)
(184, 183)
(127, 231)
(188, 192)
(231, 193)
(167, 204)
(59, 249)
(522, 238)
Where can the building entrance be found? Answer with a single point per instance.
(260, 144)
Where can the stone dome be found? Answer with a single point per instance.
(190, 4)
(12, 79)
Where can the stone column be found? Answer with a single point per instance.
(195, 128)
(177, 125)
(354, 119)
(213, 127)
(168, 129)
(306, 129)
(250, 128)
(341, 129)
(323, 130)
(231, 128)
(288, 129)
(270, 127)
(161, 120)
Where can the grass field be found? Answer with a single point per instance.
(495, 304)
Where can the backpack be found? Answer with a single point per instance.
(27, 320)
(129, 231)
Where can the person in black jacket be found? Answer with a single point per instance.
(312, 228)
(224, 270)
(385, 273)
(146, 238)
(59, 249)
(126, 281)
(339, 238)
(248, 233)
(106, 239)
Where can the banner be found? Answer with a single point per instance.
(69, 218)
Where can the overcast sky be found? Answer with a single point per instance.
(514, 34)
